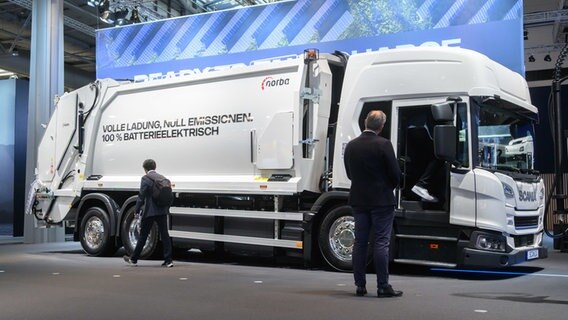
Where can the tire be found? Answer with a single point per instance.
(336, 238)
(95, 233)
(129, 236)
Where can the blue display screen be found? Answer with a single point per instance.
(211, 41)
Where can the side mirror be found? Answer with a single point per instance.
(442, 112)
(445, 142)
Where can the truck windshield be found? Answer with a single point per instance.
(505, 135)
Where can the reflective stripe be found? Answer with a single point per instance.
(237, 239)
(292, 216)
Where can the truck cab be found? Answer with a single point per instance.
(472, 120)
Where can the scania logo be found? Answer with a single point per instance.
(525, 195)
(269, 82)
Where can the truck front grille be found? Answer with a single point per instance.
(523, 241)
(526, 222)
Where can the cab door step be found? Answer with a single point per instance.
(426, 237)
(426, 250)
(426, 263)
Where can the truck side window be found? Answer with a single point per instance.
(384, 106)
(463, 135)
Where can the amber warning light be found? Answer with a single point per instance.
(311, 55)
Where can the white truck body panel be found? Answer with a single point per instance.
(192, 111)
(462, 205)
(224, 132)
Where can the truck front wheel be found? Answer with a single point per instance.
(96, 239)
(130, 232)
(337, 237)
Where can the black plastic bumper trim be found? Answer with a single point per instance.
(488, 259)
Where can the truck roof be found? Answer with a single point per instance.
(429, 71)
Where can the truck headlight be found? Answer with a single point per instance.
(489, 242)
(510, 220)
(508, 190)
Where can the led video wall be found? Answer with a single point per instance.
(218, 40)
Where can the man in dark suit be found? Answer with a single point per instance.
(374, 172)
(152, 213)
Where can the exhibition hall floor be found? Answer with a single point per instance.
(58, 281)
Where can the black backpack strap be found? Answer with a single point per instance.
(158, 176)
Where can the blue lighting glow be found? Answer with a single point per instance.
(507, 273)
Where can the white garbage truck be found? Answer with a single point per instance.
(255, 156)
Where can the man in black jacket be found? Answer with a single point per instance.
(152, 213)
(374, 172)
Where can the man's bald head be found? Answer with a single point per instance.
(375, 121)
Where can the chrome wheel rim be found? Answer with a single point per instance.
(342, 238)
(94, 233)
(134, 234)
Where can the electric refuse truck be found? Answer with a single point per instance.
(255, 156)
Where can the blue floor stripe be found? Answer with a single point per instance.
(502, 273)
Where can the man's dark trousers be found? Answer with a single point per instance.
(145, 227)
(380, 219)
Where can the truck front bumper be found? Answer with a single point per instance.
(488, 259)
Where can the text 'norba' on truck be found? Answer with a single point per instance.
(255, 155)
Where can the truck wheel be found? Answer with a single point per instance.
(130, 232)
(337, 237)
(95, 234)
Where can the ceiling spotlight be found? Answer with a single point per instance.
(135, 16)
(104, 11)
(120, 16)
(104, 7)
(531, 58)
(93, 3)
(547, 58)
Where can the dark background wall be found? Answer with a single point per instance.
(7, 105)
(544, 146)
(14, 112)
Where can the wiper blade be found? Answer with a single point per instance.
(530, 171)
(511, 169)
(502, 167)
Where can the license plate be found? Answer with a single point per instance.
(532, 254)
